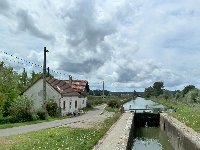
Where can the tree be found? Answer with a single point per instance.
(9, 80)
(158, 88)
(21, 109)
(188, 88)
(35, 76)
(135, 94)
(148, 92)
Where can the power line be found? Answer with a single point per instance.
(29, 63)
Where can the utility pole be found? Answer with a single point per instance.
(103, 90)
(44, 79)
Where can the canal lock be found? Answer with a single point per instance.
(146, 134)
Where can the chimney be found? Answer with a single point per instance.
(70, 80)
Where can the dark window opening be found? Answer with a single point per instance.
(64, 106)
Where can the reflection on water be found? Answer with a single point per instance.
(150, 139)
(141, 103)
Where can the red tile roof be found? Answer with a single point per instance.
(78, 87)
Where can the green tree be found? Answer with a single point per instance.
(158, 88)
(9, 80)
(21, 109)
(135, 94)
(188, 88)
(35, 76)
(148, 92)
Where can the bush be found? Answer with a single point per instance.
(42, 114)
(52, 108)
(35, 117)
(8, 119)
(113, 104)
(88, 105)
(21, 109)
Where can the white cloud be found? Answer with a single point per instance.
(129, 44)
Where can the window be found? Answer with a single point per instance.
(83, 102)
(70, 105)
(75, 104)
(64, 106)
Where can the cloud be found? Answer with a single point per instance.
(85, 38)
(26, 23)
(4, 7)
(128, 44)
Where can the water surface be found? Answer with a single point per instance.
(141, 103)
(150, 139)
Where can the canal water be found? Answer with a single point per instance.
(151, 138)
(141, 103)
(148, 138)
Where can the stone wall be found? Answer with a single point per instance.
(181, 137)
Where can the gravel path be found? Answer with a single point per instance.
(114, 138)
(84, 121)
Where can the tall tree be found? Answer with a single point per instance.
(8, 87)
(158, 88)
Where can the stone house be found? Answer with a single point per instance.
(70, 95)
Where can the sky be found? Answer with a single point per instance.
(128, 44)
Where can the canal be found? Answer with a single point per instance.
(147, 136)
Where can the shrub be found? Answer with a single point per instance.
(52, 108)
(42, 114)
(35, 117)
(88, 105)
(113, 104)
(21, 109)
(8, 119)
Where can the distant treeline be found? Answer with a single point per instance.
(190, 94)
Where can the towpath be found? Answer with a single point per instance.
(82, 121)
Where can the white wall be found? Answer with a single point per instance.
(71, 108)
(36, 92)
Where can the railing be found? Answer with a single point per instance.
(135, 110)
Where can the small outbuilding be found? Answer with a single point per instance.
(70, 95)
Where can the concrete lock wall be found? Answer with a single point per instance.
(131, 134)
(181, 137)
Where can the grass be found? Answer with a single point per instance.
(189, 114)
(59, 138)
(11, 125)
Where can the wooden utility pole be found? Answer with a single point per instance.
(103, 90)
(44, 79)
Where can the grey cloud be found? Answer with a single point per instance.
(140, 74)
(4, 7)
(26, 23)
(85, 38)
(82, 27)
(83, 67)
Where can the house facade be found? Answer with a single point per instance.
(70, 95)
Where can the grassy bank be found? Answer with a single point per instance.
(189, 114)
(11, 125)
(59, 138)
